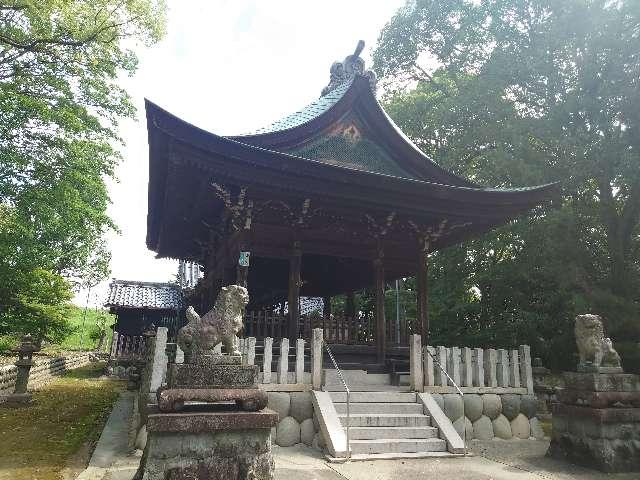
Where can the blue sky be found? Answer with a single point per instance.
(228, 67)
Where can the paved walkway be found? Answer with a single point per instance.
(491, 460)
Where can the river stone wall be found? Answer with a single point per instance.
(488, 416)
(296, 421)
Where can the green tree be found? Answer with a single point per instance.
(60, 103)
(517, 92)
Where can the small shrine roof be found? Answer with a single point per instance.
(148, 295)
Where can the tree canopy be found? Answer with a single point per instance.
(60, 103)
(520, 92)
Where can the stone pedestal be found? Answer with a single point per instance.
(215, 378)
(596, 422)
(223, 445)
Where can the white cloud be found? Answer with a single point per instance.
(229, 67)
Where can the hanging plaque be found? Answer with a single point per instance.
(243, 261)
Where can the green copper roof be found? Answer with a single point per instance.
(307, 113)
(362, 155)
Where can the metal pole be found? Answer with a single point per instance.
(397, 312)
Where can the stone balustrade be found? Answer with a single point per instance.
(474, 370)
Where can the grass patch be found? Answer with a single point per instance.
(85, 329)
(66, 414)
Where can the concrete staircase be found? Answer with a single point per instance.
(387, 424)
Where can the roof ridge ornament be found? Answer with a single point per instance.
(345, 71)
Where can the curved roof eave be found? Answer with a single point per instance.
(226, 146)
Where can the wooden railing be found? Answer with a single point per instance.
(127, 347)
(262, 324)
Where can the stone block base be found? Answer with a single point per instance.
(607, 439)
(18, 399)
(211, 445)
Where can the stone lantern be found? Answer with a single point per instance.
(24, 363)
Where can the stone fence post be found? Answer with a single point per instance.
(415, 363)
(316, 358)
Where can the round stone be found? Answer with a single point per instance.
(280, 403)
(536, 429)
(469, 427)
(301, 406)
(452, 406)
(528, 405)
(307, 432)
(288, 432)
(472, 406)
(491, 405)
(510, 406)
(501, 428)
(483, 428)
(439, 400)
(520, 427)
(141, 438)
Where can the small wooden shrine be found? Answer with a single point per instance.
(326, 201)
(139, 305)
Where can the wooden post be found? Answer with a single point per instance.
(350, 305)
(422, 296)
(294, 290)
(326, 309)
(114, 345)
(316, 358)
(381, 339)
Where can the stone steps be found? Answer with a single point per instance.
(374, 408)
(335, 387)
(373, 433)
(374, 397)
(387, 420)
(398, 445)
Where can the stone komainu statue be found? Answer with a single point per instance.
(220, 324)
(593, 347)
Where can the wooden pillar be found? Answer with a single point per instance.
(294, 290)
(381, 339)
(422, 297)
(326, 309)
(350, 305)
(243, 259)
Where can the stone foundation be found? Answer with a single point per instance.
(491, 416)
(213, 445)
(597, 421)
(297, 422)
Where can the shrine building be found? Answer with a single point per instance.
(326, 201)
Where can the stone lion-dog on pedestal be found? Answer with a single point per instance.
(220, 324)
(594, 348)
